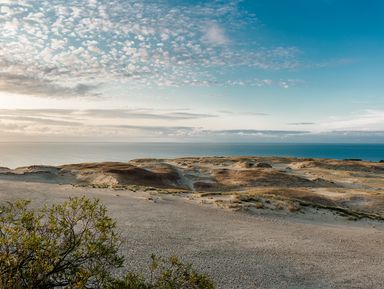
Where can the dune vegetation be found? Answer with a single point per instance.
(75, 244)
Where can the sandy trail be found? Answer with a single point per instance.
(238, 250)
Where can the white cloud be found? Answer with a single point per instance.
(288, 83)
(215, 35)
(57, 44)
(370, 120)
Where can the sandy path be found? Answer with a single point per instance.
(238, 250)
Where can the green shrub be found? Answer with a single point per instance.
(72, 245)
(75, 245)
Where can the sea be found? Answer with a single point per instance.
(14, 155)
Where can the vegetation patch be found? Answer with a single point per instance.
(293, 204)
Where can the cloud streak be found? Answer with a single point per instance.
(301, 123)
(369, 120)
(24, 84)
(143, 114)
(120, 125)
(61, 116)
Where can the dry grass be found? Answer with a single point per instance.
(289, 200)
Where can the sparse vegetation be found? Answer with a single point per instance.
(165, 274)
(293, 207)
(75, 245)
(289, 200)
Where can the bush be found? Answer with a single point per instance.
(75, 245)
(72, 245)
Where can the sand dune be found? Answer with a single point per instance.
(350, 188)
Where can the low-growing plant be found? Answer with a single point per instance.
(168, 273)
(293, 207)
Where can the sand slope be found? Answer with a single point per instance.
(267, 249)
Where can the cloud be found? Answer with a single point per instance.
(143, 114)
(65, 116)
(358, 132)
(256, 82)
(36, 112)
(290, 83)
(119, 123)
(249, 82)
(54, 48)
(23, 84)
(301, 123)
(154, 131)
(244, 113)
(215, 35)
(369, 120)
(98, 125)
(350, 136)
(37, 120)
(252, 132)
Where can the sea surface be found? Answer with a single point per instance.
(14, 155)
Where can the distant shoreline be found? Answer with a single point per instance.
(381, 161)
(24, 154)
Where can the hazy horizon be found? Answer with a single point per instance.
(192, 71)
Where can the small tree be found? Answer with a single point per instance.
(71, 245)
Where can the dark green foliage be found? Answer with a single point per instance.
(72, 245)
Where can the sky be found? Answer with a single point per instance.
(192, 71)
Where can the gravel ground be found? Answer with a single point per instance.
(238, 250)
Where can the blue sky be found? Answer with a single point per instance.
(146, 70)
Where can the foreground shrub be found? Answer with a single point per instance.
(75, 245)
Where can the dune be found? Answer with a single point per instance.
(249, 222)
(354, 188)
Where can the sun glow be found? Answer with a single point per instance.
(18, 101)
(13, 101)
